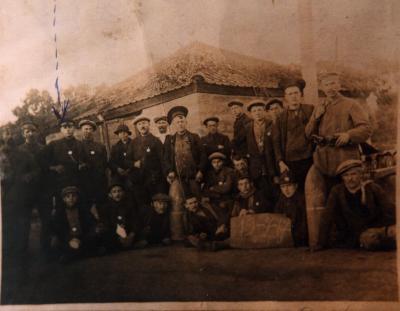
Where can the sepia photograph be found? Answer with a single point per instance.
(199, 155)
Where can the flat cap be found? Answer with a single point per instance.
(122, 128)
(28, 124)
(162, 118)
(287, 178)
(176, 111)
(217, 155)
(87, 122)
(347, 165)
(142, 118)
(161, 197)
(235, 103)
(215, 119)
(274, 101)
(69, 189)
(300, 83)
(67, 122)
(255, 104)
(114, 182)
(327, 74)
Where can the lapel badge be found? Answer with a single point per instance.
(148, 149)
(92, 152)
(69, 152)
(124, 154)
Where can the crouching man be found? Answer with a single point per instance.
(156, 222)
(362, 214)
(203, 225)
(74, 227)
(292, 204)
(119, 223)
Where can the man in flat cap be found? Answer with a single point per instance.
(121, 156)
(293, 150)
(147, 173)
(184, 165)
(260, 150)
(162, 125)
(274, 107)
(94, 177)
(215, 141)
(239, 133)
(65, 158)
(338, 125)
(362, 213)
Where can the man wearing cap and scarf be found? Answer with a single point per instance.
(94, 177)
(215, 141)
(362, 214)
(162, 125)
(65, 158)
(293, 150)
(147, 173)
(121, 156)
(338, 125)
(239, 127)
(260, 151)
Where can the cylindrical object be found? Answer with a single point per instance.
(176, 215)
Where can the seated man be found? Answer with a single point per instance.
(73, 226)
(219, 186)
(118, 224)
(292, 203)
(241, 168)
(249, 200)
(203, 225)
(156, 222)
(362, 214)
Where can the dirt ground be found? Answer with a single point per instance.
(185, 274)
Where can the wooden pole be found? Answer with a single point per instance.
(308, 61)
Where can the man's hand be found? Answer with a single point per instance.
(203, 236)
(342, 139)
(121, 171)
(243, 212)
(283, 167)
(319, 111)
(220, 230)
(74, 243)
(171, 177)
(82, 166)
(137, 164)
(57, 168)
(199, 176)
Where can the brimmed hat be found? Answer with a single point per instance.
(176, 111)
(87, 122)
(162, 118)
(28, 124)
(347, 165)
(235, 103)
(69, 189)
(326, 74)
(300, 83)
(143, 118)
(255, 104)
(215, 119)
(161, 197)
(287, 178)
(273, 102)
(122, 128)
(217, 155)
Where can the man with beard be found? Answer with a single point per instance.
(293, 150)
(147, 174)
(162, 125)
(94, 177)
(239, 132)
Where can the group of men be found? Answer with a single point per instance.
(279, 151)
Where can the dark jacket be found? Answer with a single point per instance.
(239, 135)
(280, 130)
(260, 163)
(295, 209)
(198, 154)
(121, 156)
(254, 201)
(149, 151)
(219, 186)
(216, 143)
(207, 223)
(156, 226)
(351, 217)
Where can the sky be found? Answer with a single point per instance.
(102, 41)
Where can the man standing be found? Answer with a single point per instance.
(293, 150)
(162, 125)
(215, 141)
(94, 177)
(239, 133)
(339, 125)
(362, 213)
(260, 151)
(274, 107)
(147, 174)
